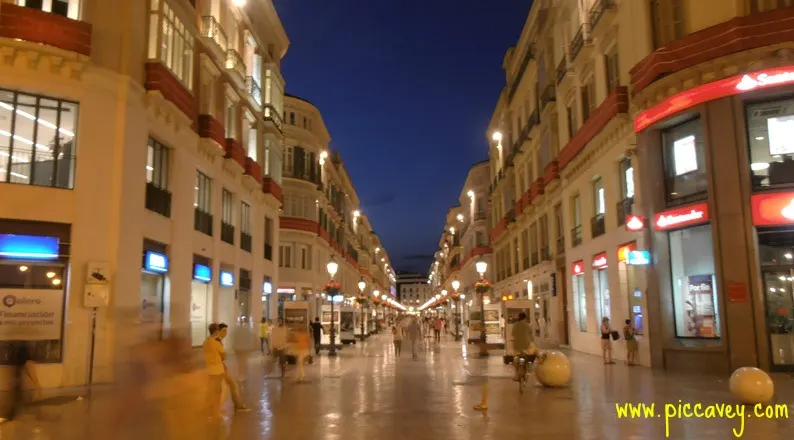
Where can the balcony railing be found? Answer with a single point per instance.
(272, 115)
(479, 216)
(528, 55)
(534, 119)
(254, 89)
(526, 263)
(579, 40)
(576, 236)
(545, 254)
(235, 62)
(598, 226)
(548, 96)
(227, 233)
(212, 30)
(202, 222)
(535, 260)
(625, 208)
(246, 242)
(511, 216)
(158, 200)
(268, 251)
(560, 245)
(562, 70)
(598, 9)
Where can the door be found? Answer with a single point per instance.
(563, 308)
(779, 299)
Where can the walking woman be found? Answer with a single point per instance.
(606, 341)
(397, 331)
(631, 343)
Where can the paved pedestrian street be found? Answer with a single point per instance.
(367, 394)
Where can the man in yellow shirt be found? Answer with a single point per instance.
(264, 335)
(214, 355)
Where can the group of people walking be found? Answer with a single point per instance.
(608, 335)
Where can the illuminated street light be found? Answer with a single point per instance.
(460, 217)
(497, 136)
(332, 267)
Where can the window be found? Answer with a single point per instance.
(771, 139)
(480, 237)
(245, 218)
(170, 42)
(570, 111)
(305, 123)
(231, 119)
(613, 69)
(291, 118)
(626, 179)
(285, 255)
(684, 163)
(202, 192)
(588, 100)
(306, 257)
(253, 142)
(288, 160)
(694, 285)
(559, 227)
(157, 162)
(66, 8)
(599, 203)
(226, 207)
(576, 216)
(602, 298)
(667, 20)
(268, 238)
(37, 140)
(768, 5)
(580, 299)
(274, 95)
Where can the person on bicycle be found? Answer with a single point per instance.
(523, 340)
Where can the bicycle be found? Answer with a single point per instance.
(524, 363)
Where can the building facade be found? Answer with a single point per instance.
(412, 289)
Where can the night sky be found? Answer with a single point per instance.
(406, 88)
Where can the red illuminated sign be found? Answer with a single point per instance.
(623, 251)
(600, 261)
(635, 223)
(773, 209)
(711, 91)
(577, 268)
(680, 217)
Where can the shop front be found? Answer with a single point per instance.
(267, 298)
(579, 294)
(154, 283)
(601, 287)
(227, 299)
(200, 300)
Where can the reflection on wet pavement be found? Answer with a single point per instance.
(367, 394)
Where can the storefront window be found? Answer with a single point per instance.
(694, 286)
(199, 312)
(777, 266)
(580, 299)
(770, 127)
(601, 287)
(684, 163)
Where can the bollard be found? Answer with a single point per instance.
(484, 402)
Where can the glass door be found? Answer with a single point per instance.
(779, 297)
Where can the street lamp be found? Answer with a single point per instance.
(332, 267)
(361, 286)
(481, 267)
(455, 287)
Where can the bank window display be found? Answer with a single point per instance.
(200, 294)
(777, 268)
(601, 287)
(695, 301)
(684, 163)
(579, 296)
(770, 129)
(32, 288)
(37, 140)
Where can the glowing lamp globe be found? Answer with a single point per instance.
(332, 267)
(361, 285)
(751, 385)
(553, 370)
(455, 285)
(481, 266)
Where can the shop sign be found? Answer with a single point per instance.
(28, 247)
(202, 273)
(154, 262)
(773, 209)
(600, 261)
(680, 217)
(623, 251)
(227, 279)
(737, 292)
(267, 288)
(635, 223)
(31, 314)
(714, 90)
(639, 258)
(577, 268)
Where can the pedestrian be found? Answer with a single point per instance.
(213, 357)
(279, 345)
(264, 335)
(437, 324)
(301, 350)
(19, 354)
(397, 332)
(414, 332)
(244, 344)
(231, 383)
(606, 341)
(631, 343)
(317, 334)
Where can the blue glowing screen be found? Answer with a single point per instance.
(28, 247)
(202, 273)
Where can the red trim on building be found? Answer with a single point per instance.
(538, 188)
(617, 102)
(36, 26)
(269, 186)
(322, 233)
(209, 127)
(159, 78)
(253, 169)
(736, 35)
(551, 172)
(298, 224)
(234, 151)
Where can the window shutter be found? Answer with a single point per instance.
(313, 167)
(298, 159)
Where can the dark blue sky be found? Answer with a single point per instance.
(406, 88)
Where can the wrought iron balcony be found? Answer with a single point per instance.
(598, 226)
(227, 233)
(548, 96)
(560, 245)
(545, 254)
(202, 222)
(212, 30)
(581, 38)
(576, 236)
(246, 241)
(625, 208)
(562, 69)
(598, 10)
(254, 89)
(528, 55)
(534, 119)
(234, 62)
(273, 116)
(479, 215)
(158, 200)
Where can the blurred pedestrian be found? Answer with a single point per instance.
(629, 333)
(279, 346)
(414, 332)
(264, 335)
(606, 341)
(20, 357)
(397, 332)
(317, 334)
(302, 350)
(437, 325)
(244, 344)
(228, 377)
(213, 357)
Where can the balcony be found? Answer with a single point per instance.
(581, 38)
(533, 120)
(560, 245)
(227, 233)
(597, 225)
(235, 64)
(548, 96)
(254, 90)
(528, 56)
(269, 186)
(45, 28)
(545, 253)
(511, 216)
(600, 7)
(268, 251)
(562, 70)
(211, 30)
(576, 236)
(534, 260)
(246, 242)
(625, 208)
(526, 263)
(202, 222)
(616, 103)
(479, 215)
(273, 116)
(158, 200)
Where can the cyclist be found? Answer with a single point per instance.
(523, 340)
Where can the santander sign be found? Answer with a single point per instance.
(764, 79)
(680, 217)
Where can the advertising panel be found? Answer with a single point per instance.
(347, 326)
(700, 312)
(31, 315)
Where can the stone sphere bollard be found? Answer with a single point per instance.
(553, 369)
(752, 385)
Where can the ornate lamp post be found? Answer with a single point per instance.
(455, 287)
(482, 287)
(361, 286)
(375, 303)
(332, 267)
